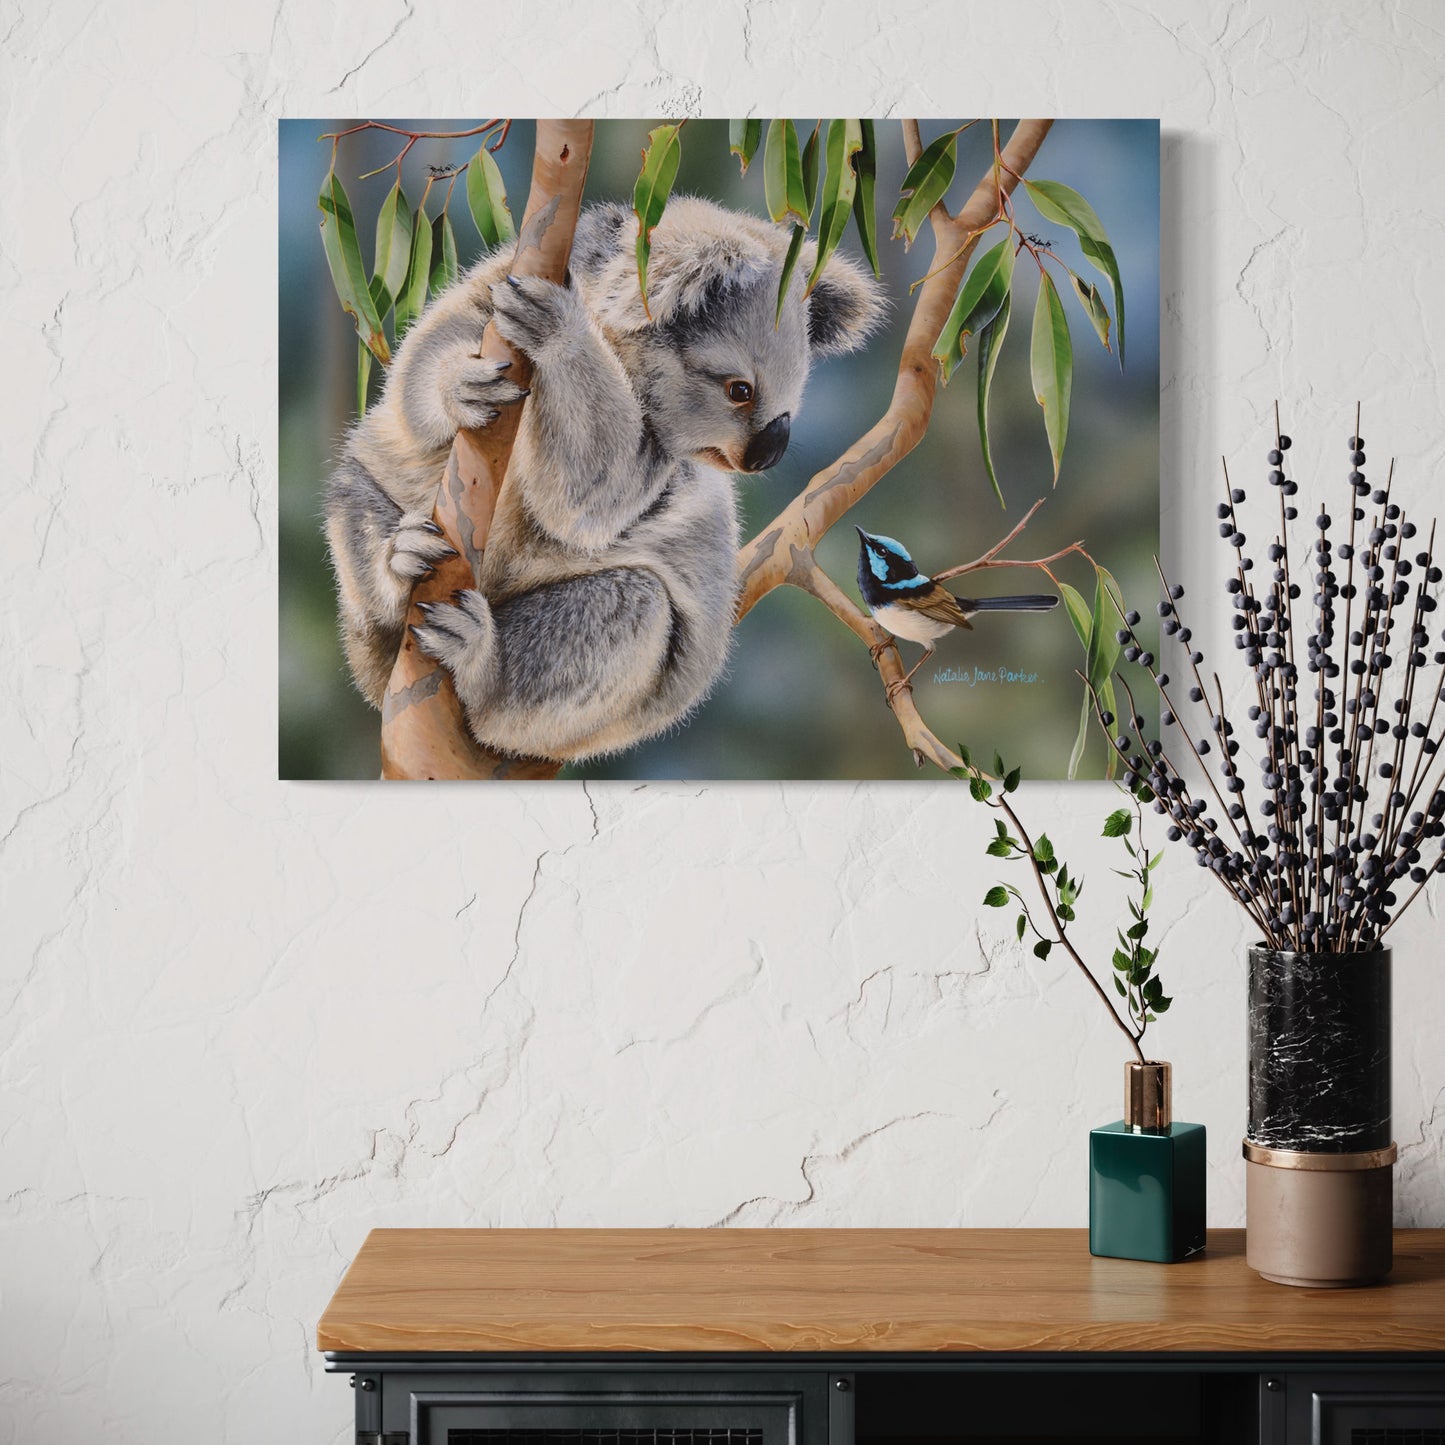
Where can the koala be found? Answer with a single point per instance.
(604, 609)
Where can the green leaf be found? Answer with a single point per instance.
(795, 241)
(1043, 849)
(790, 262)
(990, 345)
(1118, 823)
(865, 211)
(1011, 779)
(1066, 207)
(1161, 1005)
(810, 167)
(1139, 929)
(978, 302)
(998, 848)
(925, 185)
(998, 767)
(1109, 703)
(744, 137)
(1094, 309)
(348, 275)
(1103, 654)
(1081, 738)
(649, 196)
(980, 789)
(487, 201)
(1122, 959)
(1123, 992)
(1078, 611)
(1021, 925)
(1042, 947)
(840, 185)
(363, 377)
(444, 253)
(1051, 362)
(783, 174)
(996, 897)
(393, 249)
(412, 296)
(964, 755)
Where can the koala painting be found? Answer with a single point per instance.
(605, 606)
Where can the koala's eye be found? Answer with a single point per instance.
(740, 393)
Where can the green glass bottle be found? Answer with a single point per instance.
(1147, 1175)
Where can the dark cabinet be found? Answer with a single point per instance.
(1088, 1401)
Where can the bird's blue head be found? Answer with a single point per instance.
(884, 566)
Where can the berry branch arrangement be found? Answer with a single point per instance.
(1327, 847)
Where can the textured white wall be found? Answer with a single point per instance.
(245, 1021)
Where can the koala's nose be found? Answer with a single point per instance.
(767, 446)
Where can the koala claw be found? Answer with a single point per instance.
(529, 311)
(416, 547)
(476, 390)
(459, 636)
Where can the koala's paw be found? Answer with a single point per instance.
(415, 548)
(460, 635)
(476, 388)
(530, 312)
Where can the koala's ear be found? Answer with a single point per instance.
(845, 307)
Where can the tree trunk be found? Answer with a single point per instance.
(423, 731)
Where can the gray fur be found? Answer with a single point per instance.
(604, 608)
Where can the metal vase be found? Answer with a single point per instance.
(1318, 1151)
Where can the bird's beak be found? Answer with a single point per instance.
(862, 533)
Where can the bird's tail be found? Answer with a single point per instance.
(1033, 602)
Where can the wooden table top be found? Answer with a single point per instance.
(850, 1290)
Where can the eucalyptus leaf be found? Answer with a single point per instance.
(445, 268)
(925, 185)
(865, 210)
(783, 174)
(1094, 308)
(978, 302)
(393, 249)
(649, 196)
(1066, 207)
(363, 377)
(1052, 366)
(348, 274)
(744, 137)
(840, 184)
(412, 296)
(990, 344)
(487, 200)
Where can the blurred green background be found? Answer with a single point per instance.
(800, 698)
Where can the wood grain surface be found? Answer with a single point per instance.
(845, 1290)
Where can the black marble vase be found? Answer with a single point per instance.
(1318, 1147)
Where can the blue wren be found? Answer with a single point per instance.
(912, 605)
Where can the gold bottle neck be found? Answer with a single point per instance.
(1148, 1095)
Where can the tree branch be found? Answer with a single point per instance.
(423, 730)
(770, 559)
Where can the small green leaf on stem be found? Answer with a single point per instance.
(996, 897)
(990, 345)
(445, 268)
(1118, 823)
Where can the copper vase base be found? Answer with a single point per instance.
(1319, 1221)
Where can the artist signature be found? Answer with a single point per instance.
(982, 676)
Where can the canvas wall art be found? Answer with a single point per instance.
(705, 449)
